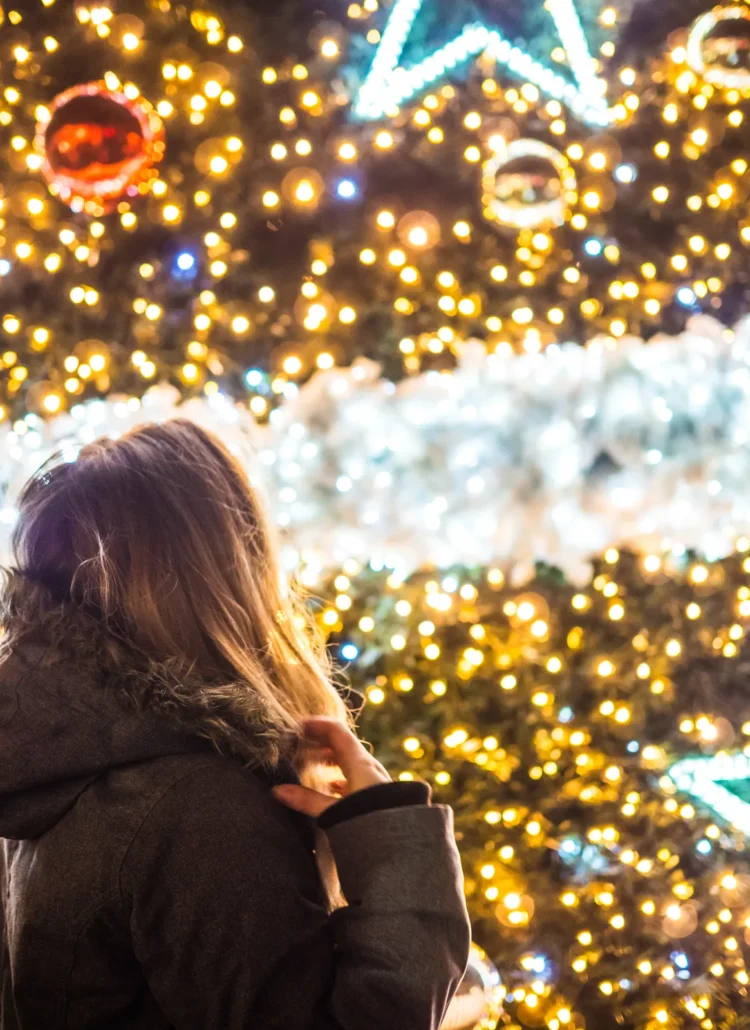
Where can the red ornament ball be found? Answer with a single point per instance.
(99, 146)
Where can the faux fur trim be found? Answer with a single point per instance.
(230, 715)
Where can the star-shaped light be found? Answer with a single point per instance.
(704, 777)
(388, 84)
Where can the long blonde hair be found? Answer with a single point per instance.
(158, 541)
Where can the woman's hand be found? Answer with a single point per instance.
(342, 749)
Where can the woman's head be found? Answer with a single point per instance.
(160, 538)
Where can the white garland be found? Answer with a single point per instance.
(551, 457)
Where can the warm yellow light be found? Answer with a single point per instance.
(218, 164)
(305, 191)
(347, 315)
(171, 213)
(266, 294)
(384, 140)
(329, 48)
(367, 256)
(292, 365)
(270, 199)
(240, 324)
(660, 194)
(130, 41)
(591, 199)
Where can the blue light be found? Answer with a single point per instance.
(593, 247)
(626, 173)
(680, 959)
(686, 296)
(538, 964)
(347, 189)
(349, 652)
(570, 846)
(633, 747)
(565, 714)
(185, 265)
(703, 847)
(254, 377)
(4, 267)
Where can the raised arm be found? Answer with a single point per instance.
(228, 924)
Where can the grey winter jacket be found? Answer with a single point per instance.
(149, 882)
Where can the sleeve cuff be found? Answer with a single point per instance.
(373, 799)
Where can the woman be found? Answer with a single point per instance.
(166, 723)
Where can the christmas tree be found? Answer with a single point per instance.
(464, 286)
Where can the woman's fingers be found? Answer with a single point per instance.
(347, 750)
(303, 799)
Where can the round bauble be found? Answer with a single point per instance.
(478, 997)
(527, 184)
(98, 146)
(718, 47)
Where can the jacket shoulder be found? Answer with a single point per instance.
(145, 791)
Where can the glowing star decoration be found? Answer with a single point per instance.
(98, 146)
(706, 779)
(718, 47)
(388, 84)
(527, 184)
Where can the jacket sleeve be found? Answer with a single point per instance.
(228, 924)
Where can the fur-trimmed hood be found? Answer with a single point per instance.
(74, 704)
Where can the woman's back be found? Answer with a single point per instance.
(141, 858)
(155, 685)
